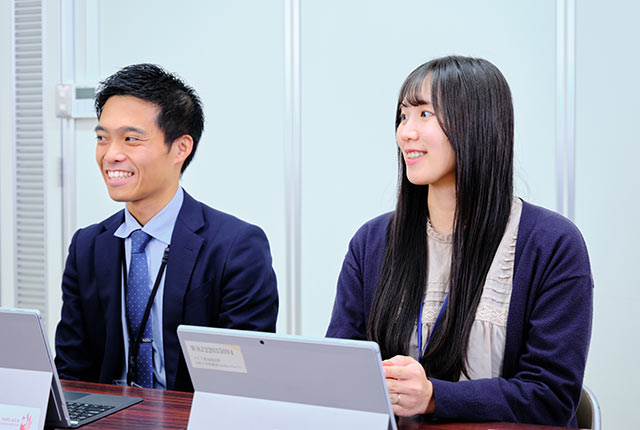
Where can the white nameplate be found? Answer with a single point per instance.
(18, 417)
(220, 411)
(23, 398)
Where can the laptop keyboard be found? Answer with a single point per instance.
(82, 411)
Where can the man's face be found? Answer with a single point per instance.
(136, 164)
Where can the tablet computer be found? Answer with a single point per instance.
(23, 331)
(267, 381)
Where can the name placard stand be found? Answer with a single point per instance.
(210, 410)
(23, 398)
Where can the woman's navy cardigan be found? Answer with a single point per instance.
(548, 327)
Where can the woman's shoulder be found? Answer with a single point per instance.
(546, 224)
(379, 223)
(373, 230)
(545, 235)
(371, 238)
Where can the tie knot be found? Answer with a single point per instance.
(139, 241)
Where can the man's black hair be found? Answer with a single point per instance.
(180, 107)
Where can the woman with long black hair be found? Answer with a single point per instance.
(481, 303)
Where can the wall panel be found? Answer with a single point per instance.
(355, 56)
(607, 205)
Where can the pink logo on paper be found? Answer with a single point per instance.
(25, 424)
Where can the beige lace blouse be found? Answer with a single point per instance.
(488, 332)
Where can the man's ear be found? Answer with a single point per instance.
(181, 148)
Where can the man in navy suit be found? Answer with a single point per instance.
(218, 271)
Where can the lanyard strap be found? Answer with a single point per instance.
(419, 327)
(134, 347)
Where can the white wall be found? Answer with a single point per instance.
(355, 56)
(51, 138)
(6, 158)
(607, 204)
(53, 184)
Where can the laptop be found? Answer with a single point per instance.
(24, 331)
(267, 381)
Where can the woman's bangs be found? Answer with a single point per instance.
(411, 93)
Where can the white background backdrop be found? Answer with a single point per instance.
(355, 55)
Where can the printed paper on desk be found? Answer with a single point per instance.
(18, 418)
(216, 356)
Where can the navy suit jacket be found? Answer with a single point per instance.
(218, 274)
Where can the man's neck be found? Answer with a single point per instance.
(145, 209)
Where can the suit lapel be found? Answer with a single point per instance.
(108, 263)
(185, 246)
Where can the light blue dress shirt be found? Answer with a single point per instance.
(160, 228)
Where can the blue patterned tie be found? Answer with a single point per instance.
(138, 293)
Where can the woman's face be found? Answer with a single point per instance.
(428, 155)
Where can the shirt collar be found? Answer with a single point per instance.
(159, 227)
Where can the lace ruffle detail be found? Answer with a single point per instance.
(433, 234)
(492, 314)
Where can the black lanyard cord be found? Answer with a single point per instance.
(134, 347)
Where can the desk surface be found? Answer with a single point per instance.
(170, 410)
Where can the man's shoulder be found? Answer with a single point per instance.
(219, 236)
(204, 219)
(221, 217)
(91, 231)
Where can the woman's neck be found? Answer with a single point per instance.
(442, 208)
